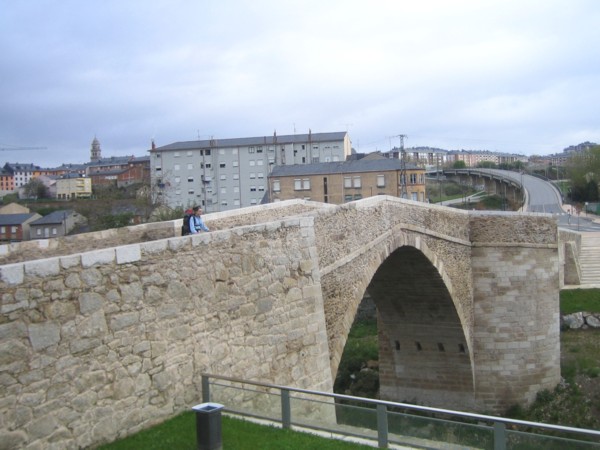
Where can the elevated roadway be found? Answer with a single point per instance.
(541, 196)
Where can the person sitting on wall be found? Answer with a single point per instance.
(196, 222)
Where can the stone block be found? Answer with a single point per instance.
(128, 253)
(43, 335)
(12, 273)
(103, 256)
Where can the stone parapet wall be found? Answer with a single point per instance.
(79, 243)
(97, 345)
(569, 250)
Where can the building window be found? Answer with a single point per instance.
(208, 165)
(252, 175)
(261, 189)
(252, 188)
(347, 182)
(177, 179)
(357, 196)
(222, 151)
(37, 232)
(54, 232)
(356, 181)
(380, 180)
(252, 163)
(236, 189)
(222, 165)
(250, 149)
(235, 163)
(190, 167)
(276, 186)
(297, 184)
(223, 202)
(315, 160)
(191, 192)
(190, 153)
(253, 201)
(223, 176)
(306, 184)
(259, 162)
(207, 152)
(413, 178)
(259, 150)
(190, 179)
(260, 175)
(223, 190)
(176, 155)
(176, 167)
(236, 202)
(158, 169)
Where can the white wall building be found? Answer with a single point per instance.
(226, 174)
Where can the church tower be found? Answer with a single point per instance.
(95, 152)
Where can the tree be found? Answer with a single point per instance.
(583, 171)
(459, 165)
(35, 188)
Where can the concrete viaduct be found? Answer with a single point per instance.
(106, 333)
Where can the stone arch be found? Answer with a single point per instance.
(424, 354)
(346, 287)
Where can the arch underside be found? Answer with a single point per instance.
(423, 351)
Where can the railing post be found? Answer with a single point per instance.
(205, 389)
(382, 426)
(499, 436)
(286, 413)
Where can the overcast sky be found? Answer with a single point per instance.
(519, 76)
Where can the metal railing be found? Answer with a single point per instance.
(388, 423)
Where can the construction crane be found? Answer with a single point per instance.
(8, 149)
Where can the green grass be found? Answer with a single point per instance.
(179, 433)
(576, 300)
(362, 346)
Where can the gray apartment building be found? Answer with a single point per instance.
(224, 174)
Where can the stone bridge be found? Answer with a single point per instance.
(106, 333)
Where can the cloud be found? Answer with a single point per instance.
(498, 75)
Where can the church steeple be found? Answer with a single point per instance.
(96, 153)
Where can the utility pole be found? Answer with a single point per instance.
(403, 191)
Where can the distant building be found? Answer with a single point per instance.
(341, 182)
(424, 156)
(119, 171)
(22, 173)
(14, 208)
(55, 224)
(95, 151)
(15, 227)
(226, 174)
(73, 186)
(472, 158)
(7, 181)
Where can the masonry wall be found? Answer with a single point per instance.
(97, 345)
(516, 335)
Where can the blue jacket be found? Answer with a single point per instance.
(197, 224)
